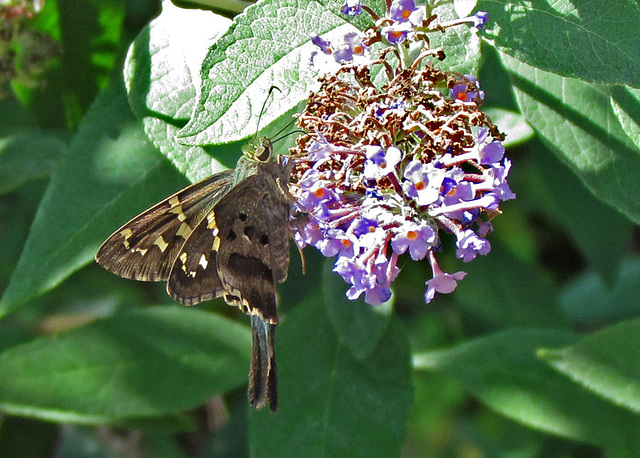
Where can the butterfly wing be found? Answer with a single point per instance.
(252, 222)
(194, 277)
(146, 247)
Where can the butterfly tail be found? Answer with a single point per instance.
(263, 380)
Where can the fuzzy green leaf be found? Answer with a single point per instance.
(503, 371)
(110, 172)
(178, 40)
(145, 363)
(606, 362)
(332, 404)
(587, 39)
(577, 120)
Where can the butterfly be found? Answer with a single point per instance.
(225, 236)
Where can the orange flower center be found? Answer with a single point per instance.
(412, 235)
(319, 193)
(420, 185)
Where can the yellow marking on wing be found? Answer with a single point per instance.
(183, 259)
(142, 251)
(216, 243)
(160, 243)
(184, 231)
(178, 211)
(126, 233)
(176, 208)
(211, 222)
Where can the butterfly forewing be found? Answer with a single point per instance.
(146, 247)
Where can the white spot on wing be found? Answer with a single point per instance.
(203, 261)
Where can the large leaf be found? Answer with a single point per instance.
(577, 120)
(606, 362)
(145, 363)
(269, 44)
(588, 39)
(332, 404)
(162, 78)
(109, 173)
(502, 370)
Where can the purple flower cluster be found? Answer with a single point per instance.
(385, 171)
(401, 23)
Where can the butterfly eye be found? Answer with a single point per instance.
(263, 153)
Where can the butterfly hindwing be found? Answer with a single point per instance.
(194, 276)
(254, 247)
(253, 256)
(146, 247)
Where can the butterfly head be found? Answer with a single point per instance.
(259, 150)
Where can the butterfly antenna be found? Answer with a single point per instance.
(264, 105)
(297, 131)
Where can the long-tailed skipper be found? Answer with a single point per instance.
(224, 236)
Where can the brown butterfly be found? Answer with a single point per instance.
(226, 235)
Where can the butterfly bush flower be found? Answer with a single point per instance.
(386, 169)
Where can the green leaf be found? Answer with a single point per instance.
(177, 39)
(579, 213)
(109, 173)
(269, 44)
(606, 362)
(28, 154)
(502, 371)
(145, 363)
(588, 302)
(590, 40)
(626, 105)
(461, 44)
(332, 404)
(512, 124)
(576, 119)
(358, 324)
